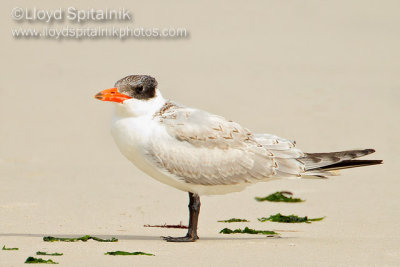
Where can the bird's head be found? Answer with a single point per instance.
(135, 94)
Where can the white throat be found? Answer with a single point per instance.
(140, 107)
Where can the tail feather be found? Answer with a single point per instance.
(346, 164)
(319, 160)
(326, 164)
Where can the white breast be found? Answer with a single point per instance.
(132, 136)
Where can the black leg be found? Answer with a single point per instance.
(194, 210)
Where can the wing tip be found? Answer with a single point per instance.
(369, 151)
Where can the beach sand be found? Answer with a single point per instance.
(325, 74)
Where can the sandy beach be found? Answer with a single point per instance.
(325, 74)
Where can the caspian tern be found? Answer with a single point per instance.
(205, 154)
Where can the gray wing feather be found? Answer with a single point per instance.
(208, 149)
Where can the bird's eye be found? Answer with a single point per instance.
(139, 89)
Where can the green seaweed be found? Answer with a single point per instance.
(233, 220)
(247, 230)
(48, 254)
(83, 238)
(124, 253)
(282, 196)
(289, 219)
(39, 260)
(4, 248)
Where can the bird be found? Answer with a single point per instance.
(205, 154)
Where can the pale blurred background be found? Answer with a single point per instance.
(323, 73)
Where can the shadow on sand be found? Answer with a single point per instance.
(142, 237)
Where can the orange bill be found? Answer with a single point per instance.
(113, 95)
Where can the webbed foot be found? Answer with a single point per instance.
(186, 238)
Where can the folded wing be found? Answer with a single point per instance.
(207, 149)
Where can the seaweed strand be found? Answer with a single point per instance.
(289, 219)
(282, 196)
(233, 220)
(83, 238)
(48, 254)
(39, 260)
(247, 230)
(124, 253)
(4, 248)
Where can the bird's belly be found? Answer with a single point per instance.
(132, 138)
(131, 141)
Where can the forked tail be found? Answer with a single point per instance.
(321, 164)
